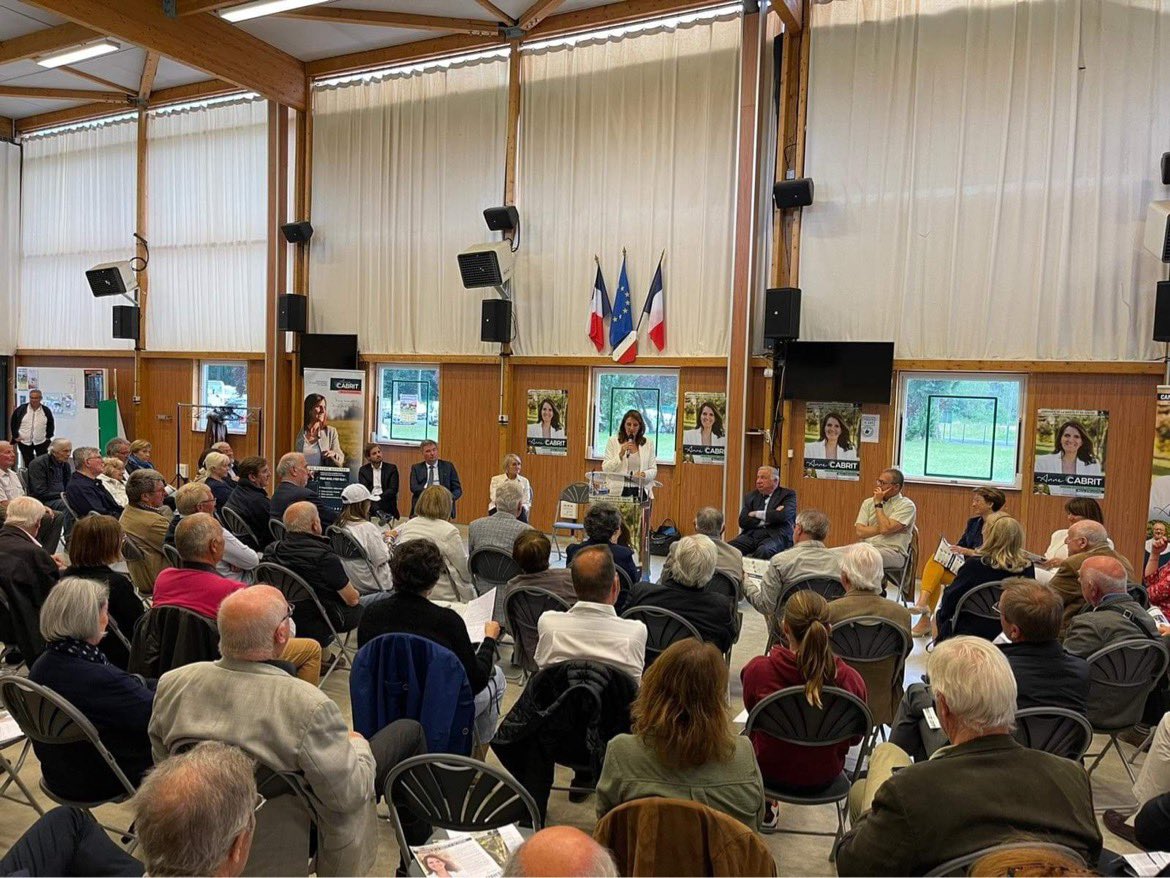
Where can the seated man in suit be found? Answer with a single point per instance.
(84, 492)
(48, 474)
(1086, 539)
(861, 574)
(381, 479)
(249, 498)
(499, 531)
(684, 591)
(12, 487)
(886, 520)
(293, 473)
(147, 519)
(912, 819)
(288, 725)
(433, 471)
(729, 559)
(767, 517)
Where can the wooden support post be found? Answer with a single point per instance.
(275, 441)
(510, 169)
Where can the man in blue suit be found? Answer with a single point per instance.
(767, 517)
(433, 471)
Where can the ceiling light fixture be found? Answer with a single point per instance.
(79, 53)
(261, 8)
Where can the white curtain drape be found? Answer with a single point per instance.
(983, 170)
(206, 222)
(9, 245)
(629, 142)
(403, 168)
(77, 210)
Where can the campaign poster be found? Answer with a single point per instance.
(831, 433)
(548, 414)
(1069, 448)
(1158, 519)
(333, 420)
(704, 436)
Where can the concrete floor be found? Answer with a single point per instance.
(794, 854)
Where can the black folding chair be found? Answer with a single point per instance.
(787, 716)
(173, 556)
(234, 522)
(627, 584)
(961, 866)
(577, 494)
(277, 529)
(523, 608)
(347, 546)
(1055, 730)
(1121, 677)
(491, 568)
(663, 628)
(297, 591)
(903, 579)
(865, 640)
(457, 793)
(827, 587)
(1138, 592)
(976, 612)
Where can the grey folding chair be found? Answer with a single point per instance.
(976, 613)
(297, 591)
(866, 640)
(523, 608)
(277, 529)
(347, 546)
(827, 587)
(663, 628)
(903, 579)
(234, 522)
(578, 494)
(1055, 730)
(1121, 677)
(173, 556)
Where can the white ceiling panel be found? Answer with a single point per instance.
(17, 19)
(310, 40)
(172, 73)
(447, 8)
(18, 108)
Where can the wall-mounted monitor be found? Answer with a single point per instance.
(324, 351)
(840, 371)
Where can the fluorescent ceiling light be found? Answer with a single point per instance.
(79, 53)
(264, 7)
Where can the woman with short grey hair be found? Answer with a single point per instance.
(73, 622)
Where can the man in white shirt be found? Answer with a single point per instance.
(32, 427)
(238, 560)
(886, 520)
(12, 487)
(591, 629)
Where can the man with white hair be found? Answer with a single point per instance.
(27, 573)
(287, 725)
(238, 560)
(767, 516)
(12, 487)
(1086, 539)
(982, 790)
(861, 574)
(227, 451)
(293, 475)
(84, 492)
(499, 530)
(1110, 614)
(685, 592)
(48, 474)
(729, 559)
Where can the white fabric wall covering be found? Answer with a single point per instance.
(206, 223)
(983, 170)
(9, 246)
(77, 210)
(629, 142)
(403, 168)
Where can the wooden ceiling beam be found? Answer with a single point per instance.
(380, 18)
(64, 94)
(791, 13)
(204, 42)
(409, 53)
(97, 80)
(7, 128)
(495, 10)
(149, 72)
(613, 15)
(538, 12)
(193, 7)
(44, 42)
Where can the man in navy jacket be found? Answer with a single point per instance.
(84, 492)
(767, 517)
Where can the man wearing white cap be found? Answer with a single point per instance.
(372, 578)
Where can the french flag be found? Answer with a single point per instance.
(598, 310)
(656, 308)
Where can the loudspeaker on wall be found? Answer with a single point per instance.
(126, 319)
(291, 312)
(1162, 312)
(297, 233)
(793, 193)
(496, 321)
(782, 313)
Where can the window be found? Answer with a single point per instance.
(653, 392)
(224, 385)
(408, 404)
(961, 427)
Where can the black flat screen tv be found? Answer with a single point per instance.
(324, 351)
(839, 371)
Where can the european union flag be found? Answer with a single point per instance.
(621, 321)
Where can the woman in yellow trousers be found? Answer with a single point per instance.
(986, 504)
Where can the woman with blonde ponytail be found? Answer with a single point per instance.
(806, 659)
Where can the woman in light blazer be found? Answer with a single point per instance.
(431, 521)
(512, 465)
(629, 452)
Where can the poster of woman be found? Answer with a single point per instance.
(330, 437)
(1070, 452)
(704, 436)
(831, 433)
(548, 412)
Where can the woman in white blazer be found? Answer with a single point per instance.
(709, 433)
(1072, 456)
(835, 444)
(431, 521)
(512, 465)
(630, 453)
(549, 425)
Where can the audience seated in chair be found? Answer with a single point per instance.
(238, 560)
(767, 517)
(113, 479)
(380, 478)
(861, 574)
(96, 543)
(288, 725)
(48, 474)
(533, 551)
(682, 745)
(308, 554)
(215, 473)
(1149, 825)
(416, 567)
(355, 519)
(249, 498)
(808, 557)
(1085, 539)
(709, 523)
(1110, 615)
(27, 573)
(84, 493)
(805, 658)
(603, 526)
(73, 623)
(510, 472)
(886, 520)
(293, 473)
(147, 519)
(591, 629)
(139, 457)
(12, 487)
(432, 510)
(685, 591)
(499, 530)
(908, 820)
(1001, 556)
(560, 852)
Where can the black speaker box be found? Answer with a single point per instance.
(501, 219)
(793, 193)
(297, 233)
(1162, 312)
(782, 313)
(1166, 169)
(291, 312)
(496, 321)
(126, 318)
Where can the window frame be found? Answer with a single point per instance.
(595, 373)
(899, 407)
(376, 387)
(203, 404)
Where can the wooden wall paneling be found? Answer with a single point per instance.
(467, 419)
(165, 384)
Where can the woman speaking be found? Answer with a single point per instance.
(630, 453)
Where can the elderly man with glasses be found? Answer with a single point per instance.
(84, 493)
(886, 520)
